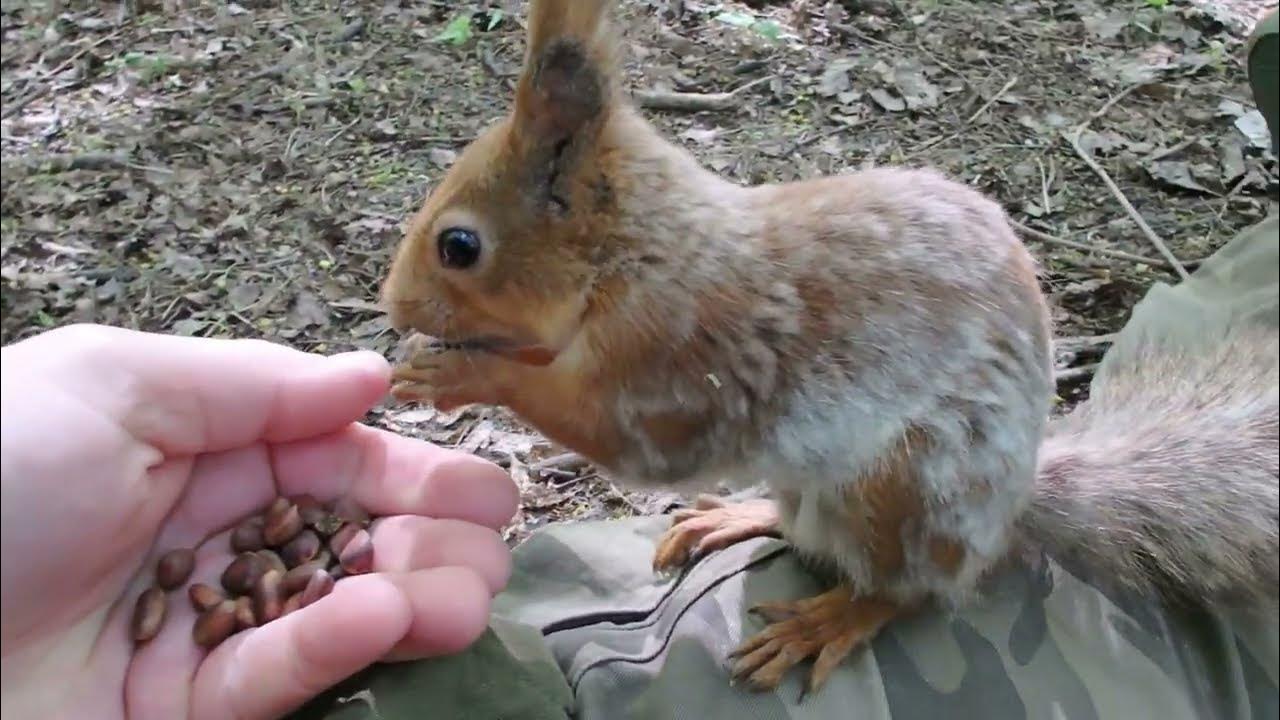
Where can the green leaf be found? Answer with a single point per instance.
(768, 29)
(495, 17)
(457, 32)
(737, 19)
(357, 84)
(1157, 3)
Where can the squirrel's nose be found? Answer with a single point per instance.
(398, 313)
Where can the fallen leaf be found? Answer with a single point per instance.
(1107, 26)
(914, 88)
(887, 100)
(441, 157)
(242, 295)
(835, 79)
(701, 136)
(1253, 126)
(1176, 173)
(308, 311)
(1231, 159)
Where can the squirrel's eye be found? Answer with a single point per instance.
(459, 248)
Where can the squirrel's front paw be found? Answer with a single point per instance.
(441, 376)
(713, 524)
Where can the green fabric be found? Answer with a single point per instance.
(508, 673)
(1263, 53)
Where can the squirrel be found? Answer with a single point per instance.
(875, 347)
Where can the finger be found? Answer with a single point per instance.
(188, 395)
(706, 501)
(406, 542)
(394, 475)
(359, 623)
(450, 611)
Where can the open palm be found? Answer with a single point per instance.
(119, 445)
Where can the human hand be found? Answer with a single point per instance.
(119, 445)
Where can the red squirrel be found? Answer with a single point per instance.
(875, 347)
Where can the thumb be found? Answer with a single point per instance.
(188, 395)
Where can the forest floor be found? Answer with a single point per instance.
(245, 168)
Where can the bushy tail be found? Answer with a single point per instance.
(1166, 479)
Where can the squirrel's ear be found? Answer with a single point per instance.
(567, 82)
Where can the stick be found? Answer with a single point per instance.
(1115, 189)
(939, 139)
(1083, 342)
(827, 132)
(999, 94)
(693, 102)
(567, 462)
(1085, 247)
(40, 91)
(1075, 373)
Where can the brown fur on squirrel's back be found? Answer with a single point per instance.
(1165, 480)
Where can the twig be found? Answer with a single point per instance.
(1115, 189)
(1075, 373)
(1082, 342)
(1085, 247)
(1161, 154)
(350, 32)
(999, 94)
(44, 88)
(67, 162)
(939, 139)
(694, 102)
(565, 462)
(825, 133)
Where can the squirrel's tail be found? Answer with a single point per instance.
(1165, 480)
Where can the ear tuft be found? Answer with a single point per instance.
(568, 69)
(570, 89)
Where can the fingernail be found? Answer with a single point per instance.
(362, 360)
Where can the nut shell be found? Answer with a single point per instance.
(309, 508)
(174, 568)
(148, 614)
(339, 541)
(293, 604)
(296, 579)
(350, 511)
(273, 561)
(283, 527)
(357, 557)
(242, 573)
(318, 585)
(268, 602)
(302, 549)
(247, 537)
(203, 596)
(245, 618)
(215, 624)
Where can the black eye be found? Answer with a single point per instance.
(459, 248)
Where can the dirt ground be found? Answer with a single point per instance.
(244, 168)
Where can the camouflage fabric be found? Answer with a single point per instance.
(586, 630)
(1263, 53)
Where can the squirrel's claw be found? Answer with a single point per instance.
(828, 626)
(713, 525)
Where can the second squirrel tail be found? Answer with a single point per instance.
(1165, 480)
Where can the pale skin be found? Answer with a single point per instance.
(119, 445)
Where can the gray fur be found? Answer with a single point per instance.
(1166, 479)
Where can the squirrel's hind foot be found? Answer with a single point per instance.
(828, 626)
